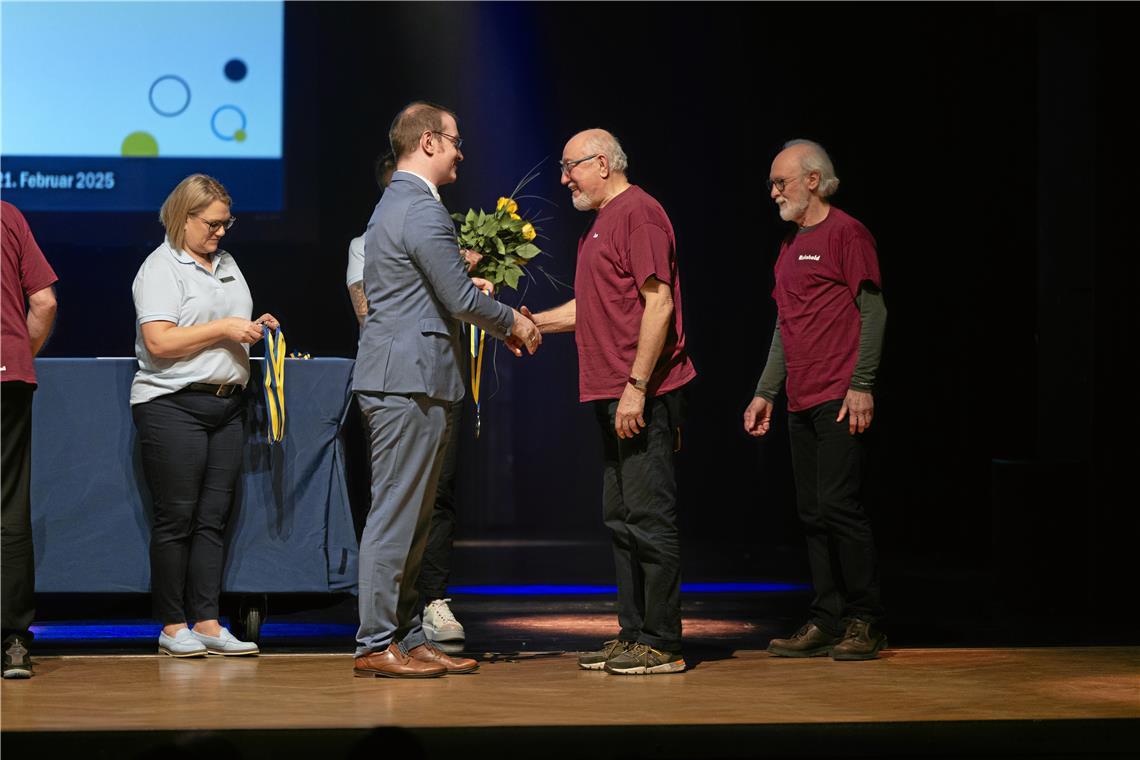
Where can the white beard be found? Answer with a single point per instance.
(582, 201)
(790, 212)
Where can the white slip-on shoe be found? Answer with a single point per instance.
(225, 643)
(181, 644)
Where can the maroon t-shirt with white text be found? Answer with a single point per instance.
(25, 271)
(630, 240)
(818, 275)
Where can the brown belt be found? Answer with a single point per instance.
(224, 391)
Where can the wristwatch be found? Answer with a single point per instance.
(637, 382)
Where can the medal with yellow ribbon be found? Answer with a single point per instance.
(275, 382)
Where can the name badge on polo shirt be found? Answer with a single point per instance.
(226, 279)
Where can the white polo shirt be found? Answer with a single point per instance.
(172, 287)
(355, 270)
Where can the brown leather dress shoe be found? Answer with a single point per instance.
(430, 653)
(808, 641)
(393, 663)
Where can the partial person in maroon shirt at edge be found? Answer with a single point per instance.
(626, 315)
(27, 279)
(825, 351)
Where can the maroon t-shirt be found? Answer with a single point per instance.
(630, 240)
(25, 272)
(818, 274)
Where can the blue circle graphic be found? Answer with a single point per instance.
(172, 92)
(236, 70)
(214, 122)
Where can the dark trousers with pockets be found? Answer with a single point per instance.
(191, 446)
(639, 507)
(828, 465)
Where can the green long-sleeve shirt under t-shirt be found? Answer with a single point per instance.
(873, 315)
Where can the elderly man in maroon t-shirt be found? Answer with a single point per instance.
(626, 315)
(825, 352)
(27, 279)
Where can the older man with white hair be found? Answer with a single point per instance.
(825, 353)
(626, 315)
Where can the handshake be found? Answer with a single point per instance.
(524, 333)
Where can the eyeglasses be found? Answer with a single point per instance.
(456, 141)
(779, 183)
(568, 166)
(215, 226)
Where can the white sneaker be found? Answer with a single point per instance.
(439, 624)
(181, 644)
(225, 643)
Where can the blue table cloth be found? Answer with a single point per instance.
(291, 529)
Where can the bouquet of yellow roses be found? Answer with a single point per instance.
(502, 237)
(504, 240)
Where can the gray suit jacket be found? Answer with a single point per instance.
(416, 283)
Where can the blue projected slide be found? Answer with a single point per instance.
(107, 105)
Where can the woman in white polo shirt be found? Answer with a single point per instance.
(192, 336)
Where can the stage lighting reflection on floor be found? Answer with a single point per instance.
(605, 625)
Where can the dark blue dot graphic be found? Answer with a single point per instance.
(236, 70)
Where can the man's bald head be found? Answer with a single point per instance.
(600, 141)
(593, 168)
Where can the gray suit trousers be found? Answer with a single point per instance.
(409, 435)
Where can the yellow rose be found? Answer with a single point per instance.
(515, 216)
(508, 204)
(502, 202)
(528, 232)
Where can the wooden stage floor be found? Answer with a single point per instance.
(1094, 687)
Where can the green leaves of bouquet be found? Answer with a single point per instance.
(503, 237)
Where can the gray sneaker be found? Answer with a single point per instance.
(181, 644)
(17, 660)
(225, 643)
(597, 660)
(644, 660)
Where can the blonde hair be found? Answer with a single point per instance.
(189, 196)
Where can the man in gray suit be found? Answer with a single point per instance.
(407, 374)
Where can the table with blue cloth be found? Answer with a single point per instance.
(291, 529)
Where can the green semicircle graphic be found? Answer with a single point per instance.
(140, 144)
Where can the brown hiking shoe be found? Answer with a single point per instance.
(808, 641)
(861, 642)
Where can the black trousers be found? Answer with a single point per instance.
(191, 455)
(639, 507)
(436, 568)
(828, 465)
(17, 557)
